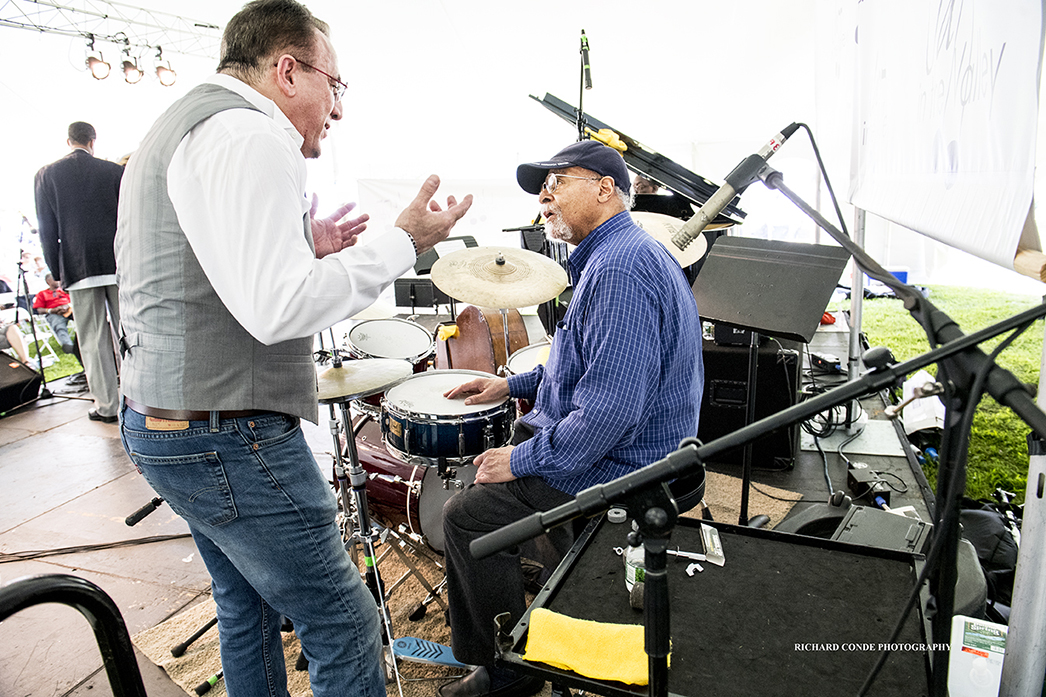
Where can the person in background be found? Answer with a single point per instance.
(56, 307)
(11, 338)
(76, 201)
(642, 185)
(225, 277)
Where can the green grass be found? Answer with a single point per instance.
(66, 365)
(998, 452)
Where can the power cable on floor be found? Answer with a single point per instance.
(6, 557)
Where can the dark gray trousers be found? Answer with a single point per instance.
(478, 590)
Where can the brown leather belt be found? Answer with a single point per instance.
(187, 414)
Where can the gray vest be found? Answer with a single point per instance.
(182, 347)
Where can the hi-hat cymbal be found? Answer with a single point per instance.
(662, 227)
(499, 277)
(360, 378)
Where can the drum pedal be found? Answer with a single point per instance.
(423, 651)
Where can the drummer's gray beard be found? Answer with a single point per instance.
(556, 229)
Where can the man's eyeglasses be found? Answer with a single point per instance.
(337, 86)
(552, 180)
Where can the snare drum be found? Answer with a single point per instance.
(391, 338)
(402, 494)
(529, 357)
(420, 425)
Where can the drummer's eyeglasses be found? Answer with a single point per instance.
(552, 180)
(337, 86)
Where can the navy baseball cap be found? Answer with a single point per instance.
(590, 154)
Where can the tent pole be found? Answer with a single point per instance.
(1025, 661)
(856, 304)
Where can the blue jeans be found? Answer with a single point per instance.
(263, 518)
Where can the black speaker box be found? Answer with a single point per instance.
(18, 384)
(724, 403)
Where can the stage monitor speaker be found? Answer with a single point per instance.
(723, 404)
(18, 384)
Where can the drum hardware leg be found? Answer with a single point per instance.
(357, 478)
(412, 568)
(423, 606)
(504, 325)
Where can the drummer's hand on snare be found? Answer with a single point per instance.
(332, 234)
(492, 466)
(425, 221)
(480, 390)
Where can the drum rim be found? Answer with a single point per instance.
(528, 347)
(414, 358)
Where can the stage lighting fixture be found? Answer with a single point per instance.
(164, 73)
(132, 74)
(95, 63)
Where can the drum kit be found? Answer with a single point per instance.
(410, 448)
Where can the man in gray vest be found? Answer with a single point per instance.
(225, 277)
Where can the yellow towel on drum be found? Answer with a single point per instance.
(594, 649)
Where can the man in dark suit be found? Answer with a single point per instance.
(76, 199)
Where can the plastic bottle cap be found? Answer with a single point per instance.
(617, 515)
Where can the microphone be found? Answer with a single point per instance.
(735, 183)
(26, 221)
(584, 61)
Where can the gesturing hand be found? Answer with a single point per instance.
(426, 222)
(329, 235)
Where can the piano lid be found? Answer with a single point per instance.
(652, 165)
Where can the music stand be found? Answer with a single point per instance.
(767, 287)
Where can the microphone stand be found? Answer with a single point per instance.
(964, 369)
(23, 291)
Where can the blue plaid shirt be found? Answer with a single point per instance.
(622, 384)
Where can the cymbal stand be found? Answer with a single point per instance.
(357, 478)
(504, 325)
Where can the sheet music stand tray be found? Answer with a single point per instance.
(767, 287)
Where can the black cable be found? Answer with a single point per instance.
(6, 557)
(890, 474)
(827, 181)
(854, 436)
(824, 460)
(776, 498)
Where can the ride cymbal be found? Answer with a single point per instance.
(499, 277)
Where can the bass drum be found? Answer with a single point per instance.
(403, 494)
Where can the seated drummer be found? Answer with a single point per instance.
(621, 389)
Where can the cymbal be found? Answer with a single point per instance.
(662, 227)
(499, 277)
(360, 378)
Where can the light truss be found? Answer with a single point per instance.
(116, 23)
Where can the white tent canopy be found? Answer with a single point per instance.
(443, 87)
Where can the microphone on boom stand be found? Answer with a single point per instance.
(735, 183)
(586, 84)
(585, 67)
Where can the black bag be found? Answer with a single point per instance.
(985, 526)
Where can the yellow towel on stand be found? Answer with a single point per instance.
(593, 649)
